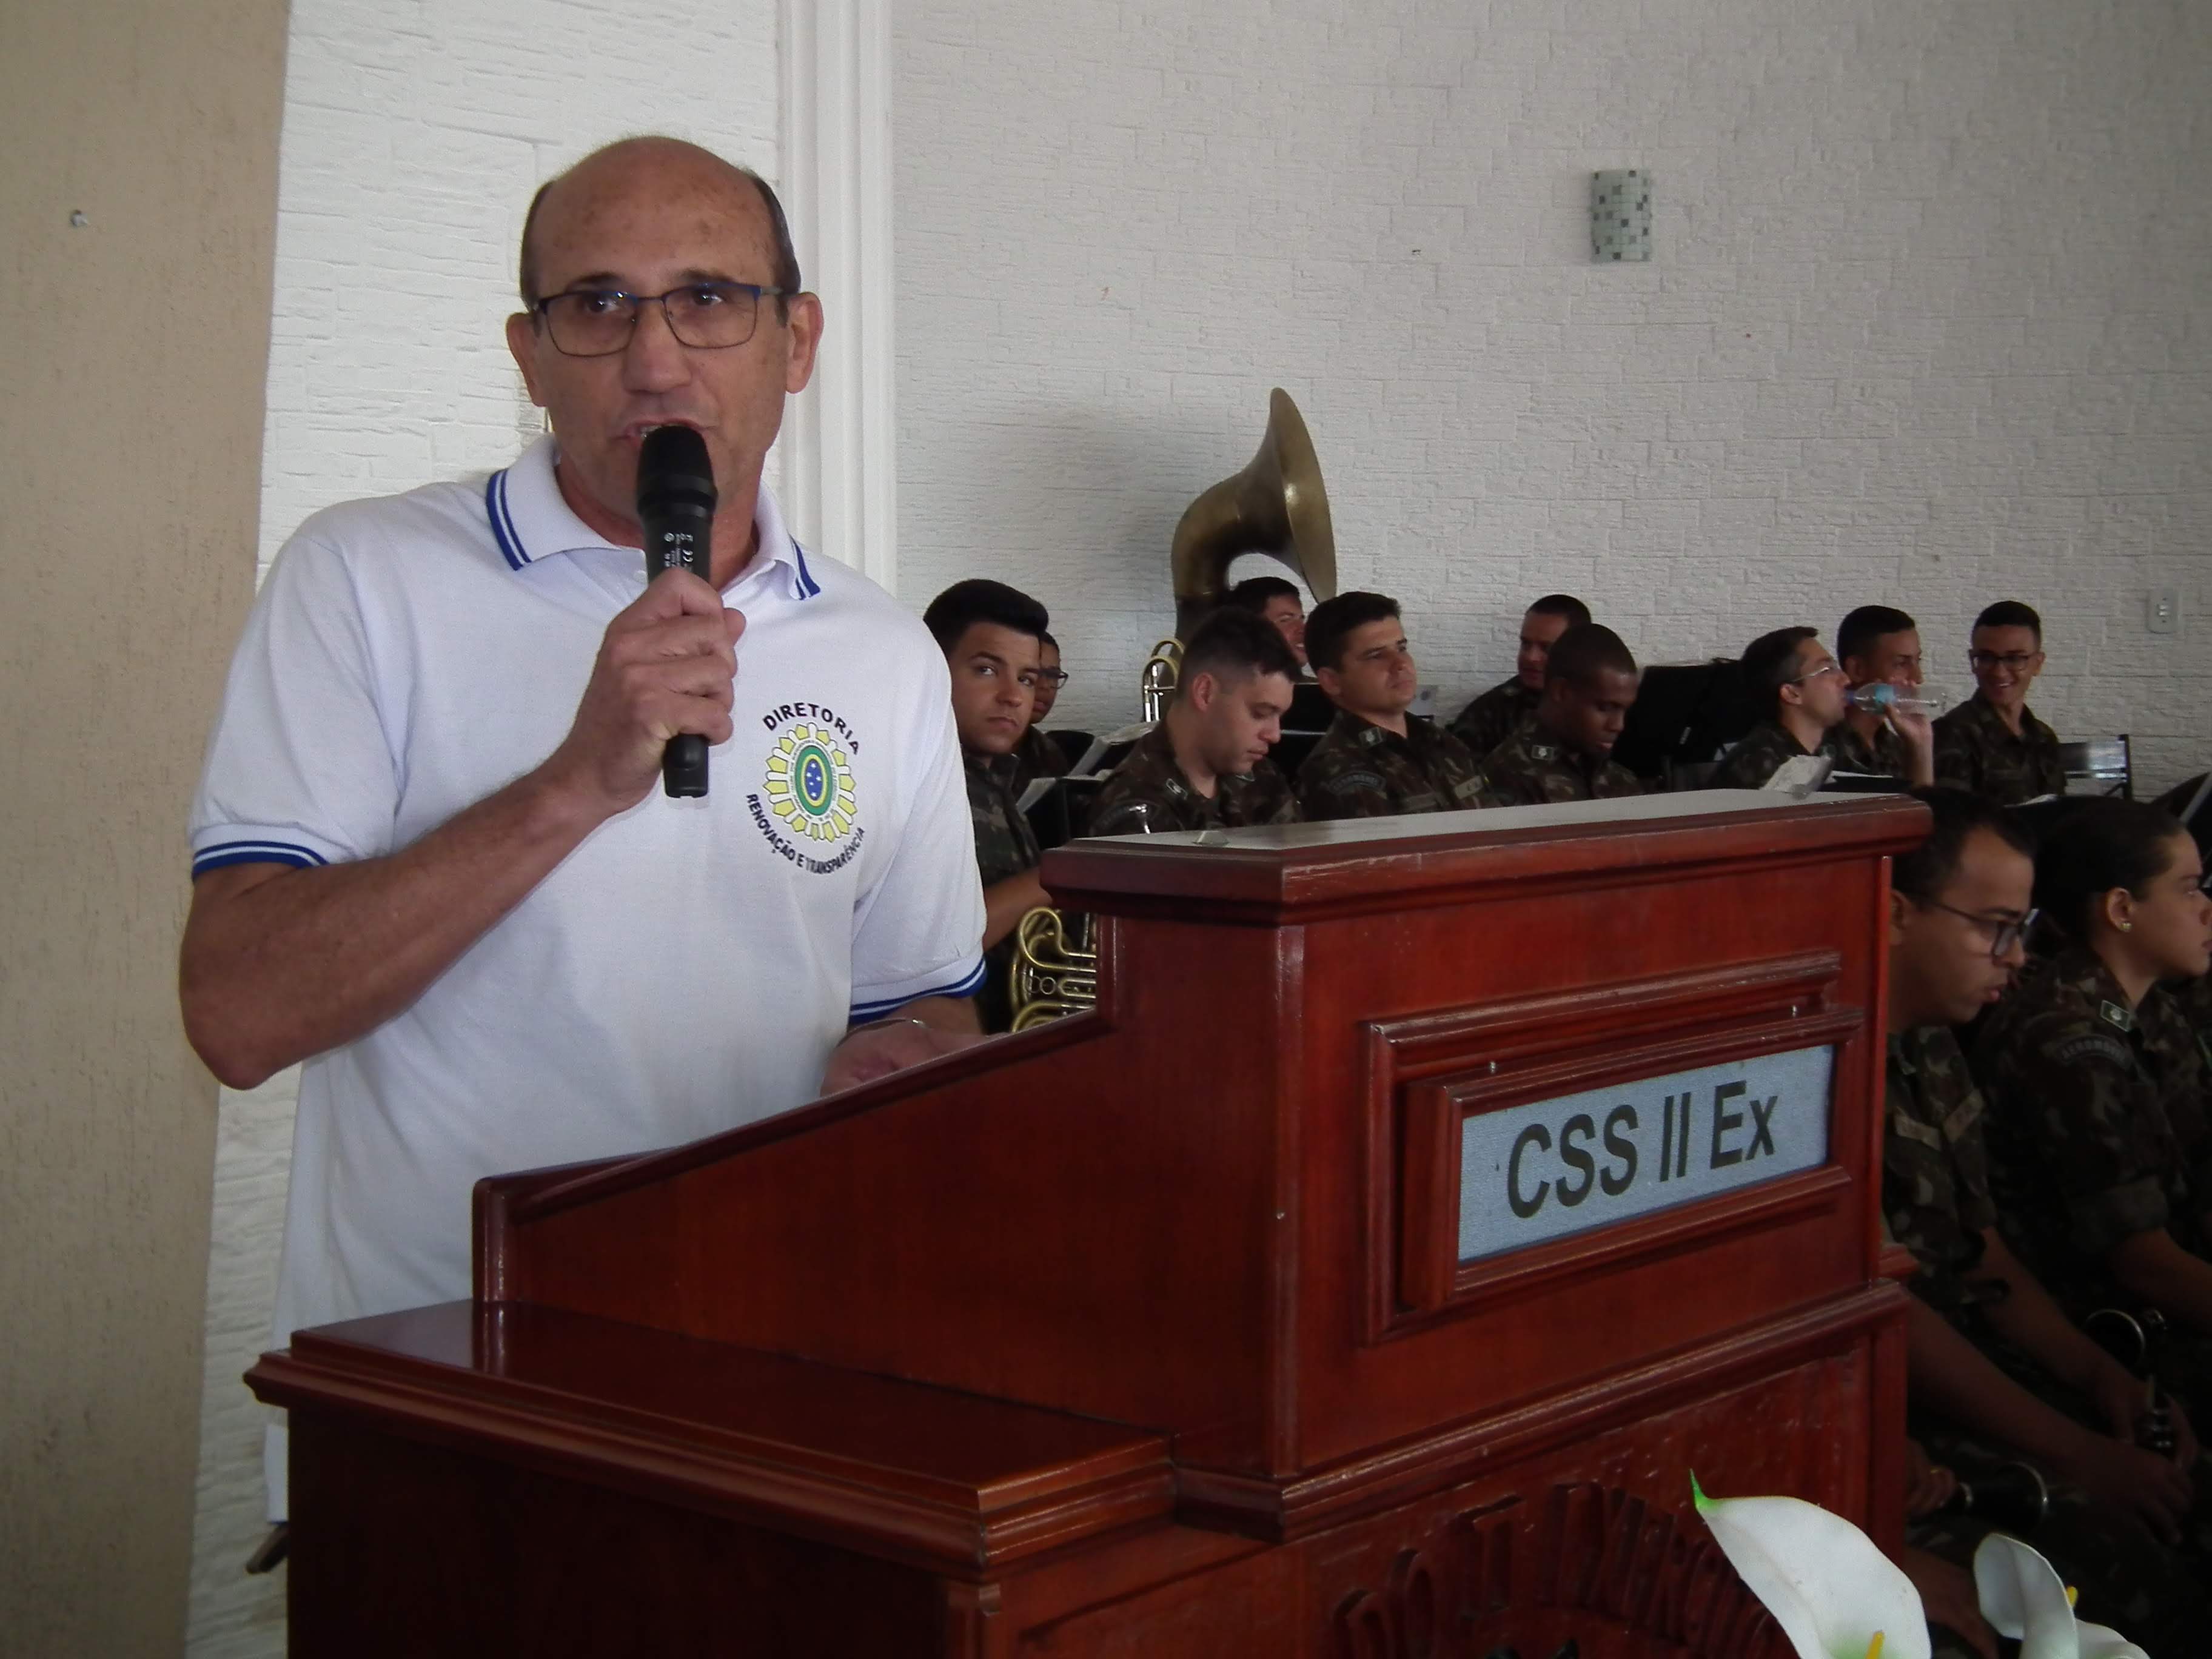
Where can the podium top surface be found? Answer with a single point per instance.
(1276, 870)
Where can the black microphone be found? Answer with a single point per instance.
(676, 505)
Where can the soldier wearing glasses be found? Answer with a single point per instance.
(432, 857)
(1997, 1372)
(1806, 696)
(1036, 756)
(1991, 744)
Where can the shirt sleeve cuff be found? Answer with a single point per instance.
(2103, 1220)
(874, 1001)
(259, 843)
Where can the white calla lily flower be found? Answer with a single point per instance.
(1834, 1595)
(2024, 1599)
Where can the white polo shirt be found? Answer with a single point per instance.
(688, 967)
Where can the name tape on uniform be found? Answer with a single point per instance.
(1556, 1167)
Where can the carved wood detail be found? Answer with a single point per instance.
(1598, 1563)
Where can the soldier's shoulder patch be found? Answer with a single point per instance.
(2091, 1046)
(1352, 783)
(2113, 1015)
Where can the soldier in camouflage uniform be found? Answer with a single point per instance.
(1959, 907)
(990, 635)
(1036, 756)
(1992, 743)
(1878, 645)
(1204, 766)
(2103, 1133)
(1563, 752)
(1375, 760)
(2101, 1148)
(1791, 675)
(1500, 712)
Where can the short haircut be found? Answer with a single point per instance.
(1561, 605)
(979, 600)
(786, 254)
(1927, 870)
(1231, 644)
(2102, 845)
(1770, 662)
(1254, 594)
(1333, 620)
(1869, 623)
(2011, 613)
(1044, 637)
(1585, 651)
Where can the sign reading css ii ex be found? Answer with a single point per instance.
(1555, 1167)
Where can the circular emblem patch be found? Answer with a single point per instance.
(810, 783)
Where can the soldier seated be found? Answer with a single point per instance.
(1564, 750)
(1800, 686)
(1036, 756)
(1997, 1371)
(991, 635)
(1991, 744)
(1276, 603)
(1376, 759)
(1498, 713)
(2102, 1152)
(1205, 765)
(1880, 645)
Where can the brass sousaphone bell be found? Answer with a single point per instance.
(1275, 505)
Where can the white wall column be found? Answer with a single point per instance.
(839, 439)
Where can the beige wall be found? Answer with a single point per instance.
(129, 460)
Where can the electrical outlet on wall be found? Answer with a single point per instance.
(2164, 610)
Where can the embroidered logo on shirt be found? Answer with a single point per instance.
(808, 795)
(2113, 1014)
(810, 783)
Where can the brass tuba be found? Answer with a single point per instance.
(1275, 505)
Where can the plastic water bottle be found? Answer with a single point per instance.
(1881, 695)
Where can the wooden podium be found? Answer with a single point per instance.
(1424, 1202)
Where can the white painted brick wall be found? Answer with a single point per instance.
(414, 135)
(1927, 322)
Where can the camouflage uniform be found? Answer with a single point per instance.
(1005, 845)
(1936, 1171)
(1760, 755)
(1531, 768)
(1359, 770)
(1937, 1202)
(1495, 716)
(1148, 792)
(1884, 753)
(1975, 750)
(1036, 756)
(2098, 1131)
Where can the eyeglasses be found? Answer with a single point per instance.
(2004, 935)
(1052, 677)
(597, 322)
(1815, 673)
(2014, 660)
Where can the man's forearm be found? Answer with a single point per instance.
(2026, 1317)
(1006, 903)
(279, 964)
(1950, 1374)
(955, 1014)
(2155, 1270)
